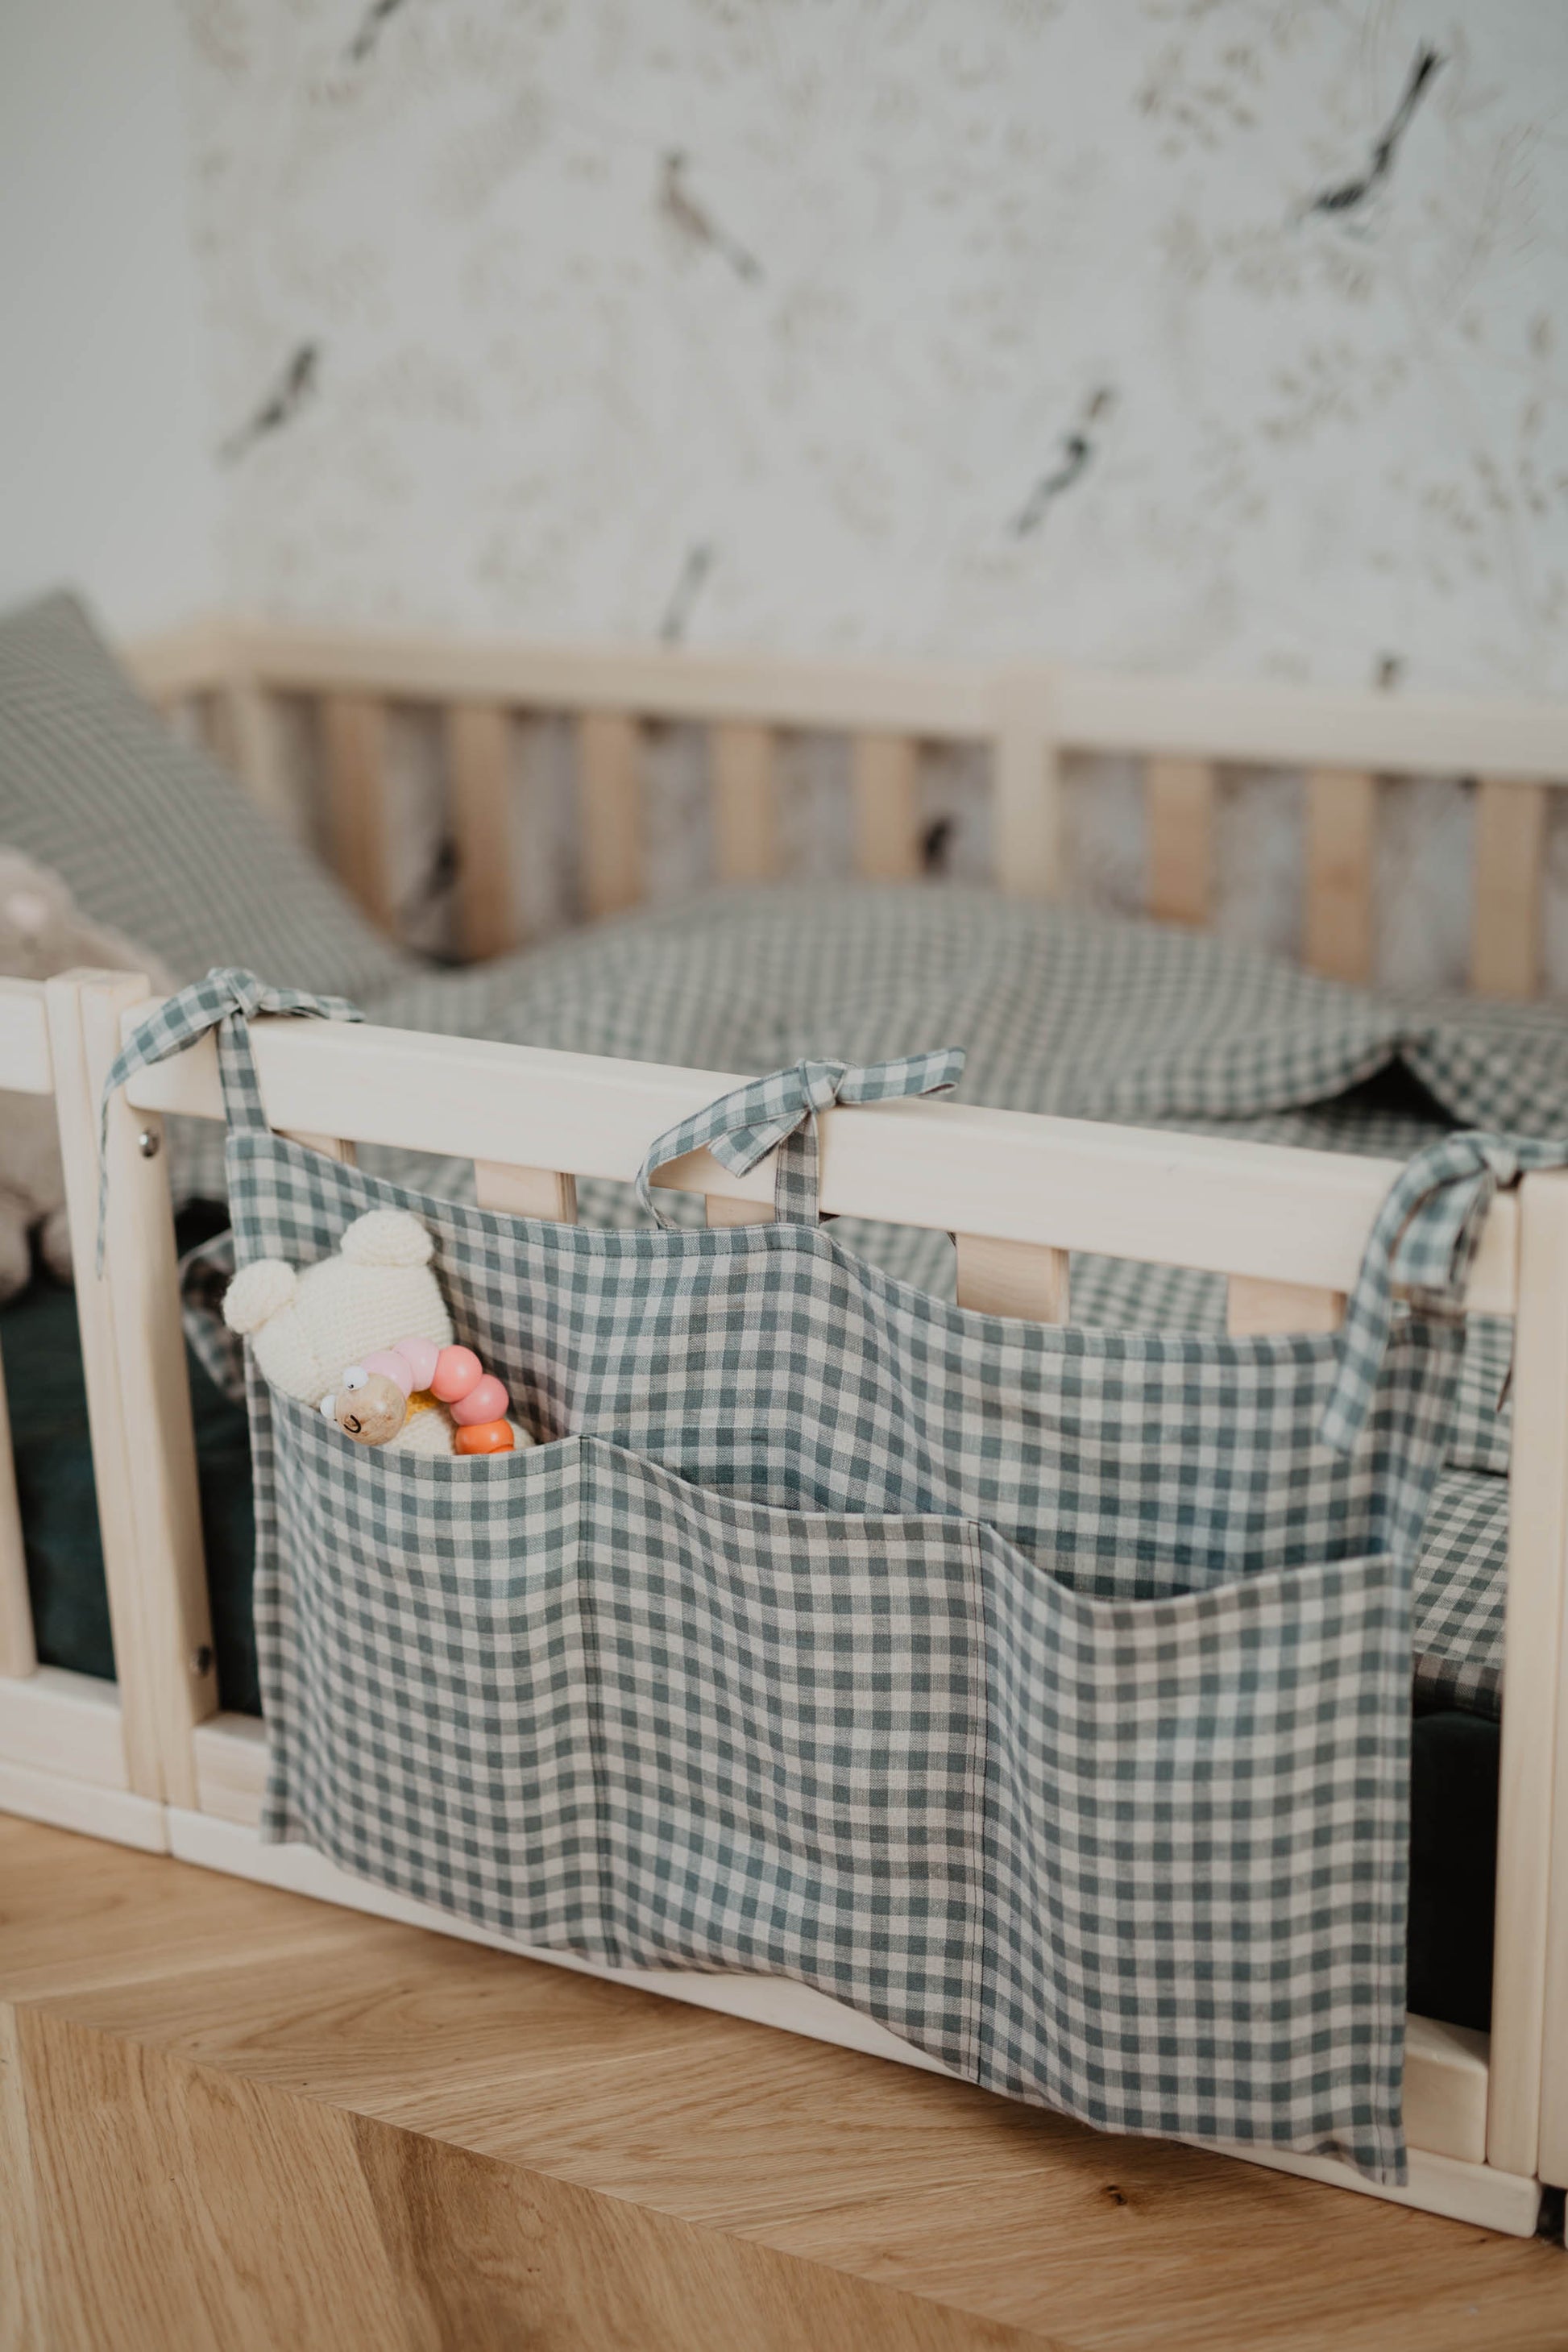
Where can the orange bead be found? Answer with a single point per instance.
(458, 1369)
(485, 1437)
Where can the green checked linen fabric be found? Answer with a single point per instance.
(1043, 1693)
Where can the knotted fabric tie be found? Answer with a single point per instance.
(181, 1019)
(779, 1110)
(1423, 1241)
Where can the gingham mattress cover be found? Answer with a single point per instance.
(756, 1666)
(1063, 1012)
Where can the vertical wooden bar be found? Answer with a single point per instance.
(17, 1654)
(331, 1146)
(256, 751)
(1537, 1552)
(609, 782)
(887, 808)
(745, 825)
(1255, 1308)
(1179, 803)
(722, 1210)
(1510, 843)
(1027, 796)
(526, 1192)
(1342, 855)
(138, 1400)
(479, 755)
(1023, 1279)
(353, 730)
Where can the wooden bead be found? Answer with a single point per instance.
(486, 1401)
(485, 1437)
(393, 1365)
(458, 1369)
(421, 1355)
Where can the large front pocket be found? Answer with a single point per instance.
(1197, 1833)
(567, 1695)
(1141, 1860)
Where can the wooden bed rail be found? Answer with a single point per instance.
(1260, 1212)
(1185, 731)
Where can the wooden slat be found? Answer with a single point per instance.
(17, 1654)
(1445, 2076)
(56, 1721)
(1532, 1631)
(254, 749)
(332, 1146)
(526, 1192)
(231, 1766)
(1511, 842)
(353, 735)
(1026, 793)
(1341, 851)
(609, 785)
(1216, 1202)
(1018, 1278)
(479, 755)
(745, 819)
(1179, 805)
(721, 1211)
(887, 808)
(1253, 1310)
(139, 1399)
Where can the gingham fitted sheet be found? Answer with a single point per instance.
(1068, 1012)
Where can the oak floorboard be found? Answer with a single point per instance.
(277, 2099)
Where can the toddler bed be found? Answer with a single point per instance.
(1050, 1010)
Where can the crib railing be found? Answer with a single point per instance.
(158, 1763)
(75, 1750)
(1184, 732)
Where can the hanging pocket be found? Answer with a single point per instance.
(1141, 1860)
(565, 1694)
(1196, 1817)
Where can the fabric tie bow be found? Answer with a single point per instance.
(181, 1019)
(1423, 1241)
(741, 1127)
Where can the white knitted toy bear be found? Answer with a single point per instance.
(313, 1330)
(305, 1327)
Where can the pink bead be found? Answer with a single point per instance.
(394, 1363)
(486, 1401)
(420, 1355)
(456, 1370)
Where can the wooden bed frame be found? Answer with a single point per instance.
(158, 1765)
(236, 675)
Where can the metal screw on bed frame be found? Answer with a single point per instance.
(147, 1143)
(202, 1661)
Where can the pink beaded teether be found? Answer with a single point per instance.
(374, 1399)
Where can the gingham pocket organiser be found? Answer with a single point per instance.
(1043, 1694)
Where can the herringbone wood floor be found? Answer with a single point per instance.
(233, 2119)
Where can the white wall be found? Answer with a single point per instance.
(106, 480)
(845, 341)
